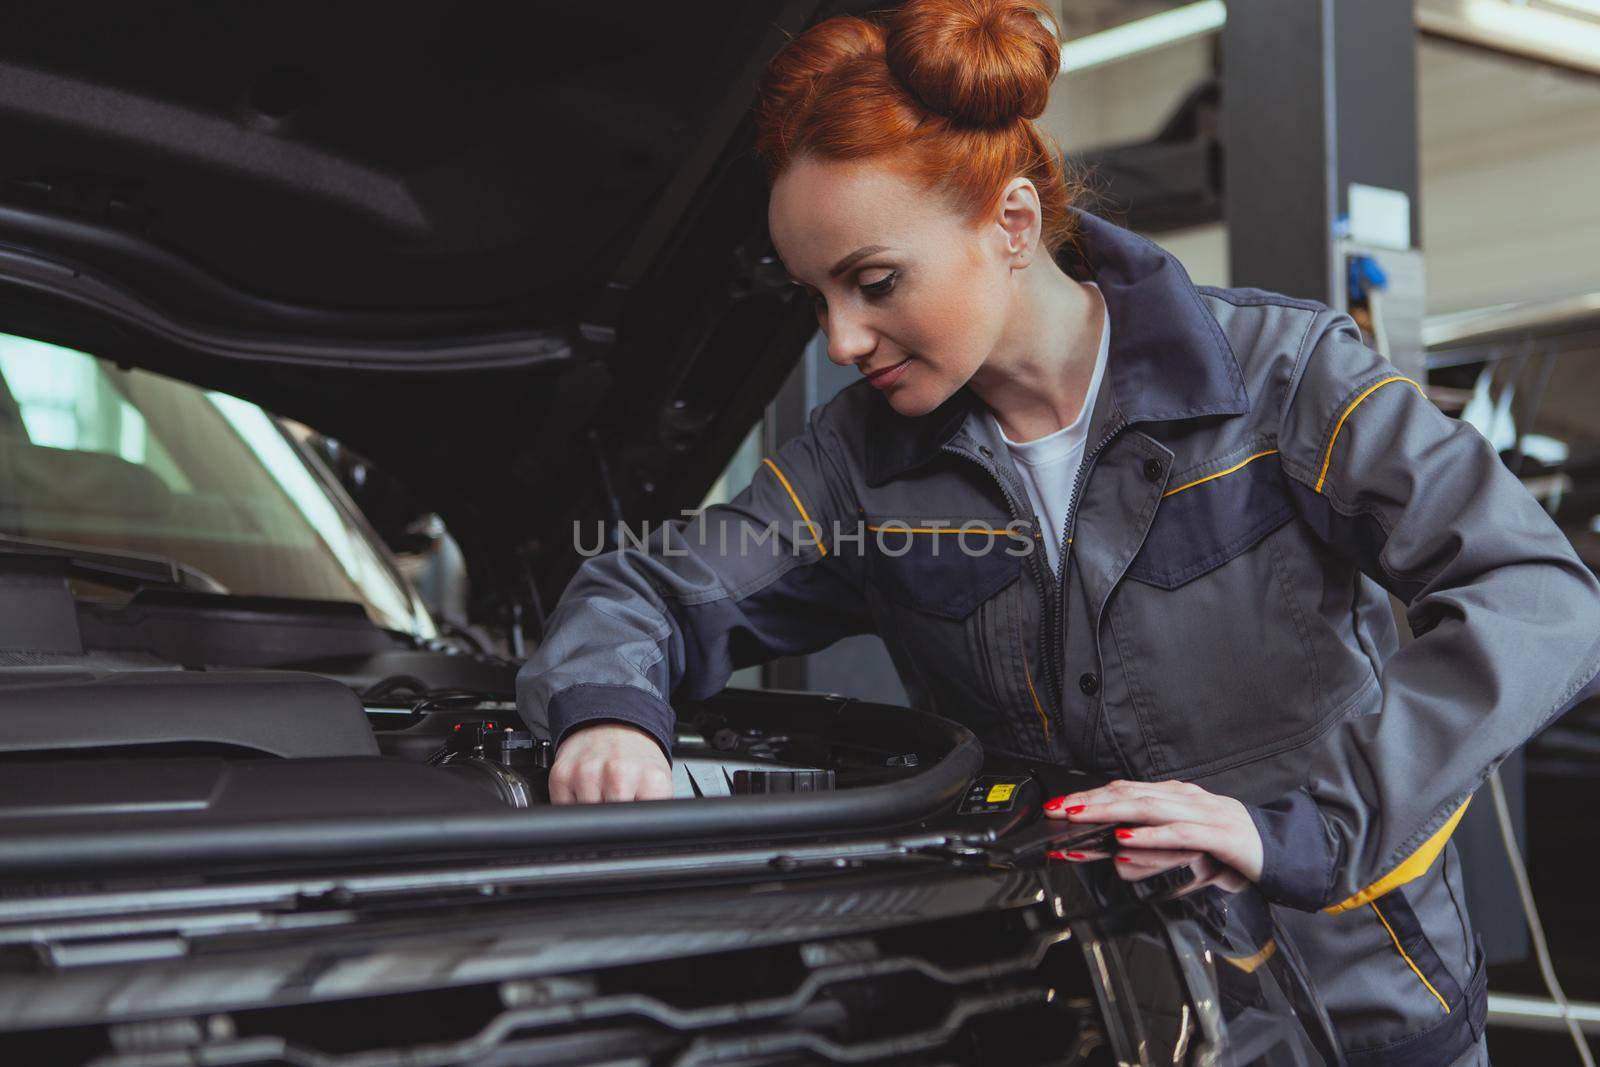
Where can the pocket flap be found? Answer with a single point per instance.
(939, 570)
(1202, 525)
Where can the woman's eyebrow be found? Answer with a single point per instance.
(860, 253)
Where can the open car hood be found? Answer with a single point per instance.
(484, 253)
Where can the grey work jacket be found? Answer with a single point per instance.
(1255, 482)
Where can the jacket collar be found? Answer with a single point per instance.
(1169, 359)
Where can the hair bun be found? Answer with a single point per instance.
(977, 62)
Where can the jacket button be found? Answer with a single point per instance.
(1153, 470)
(983, 450)
(1089, 683)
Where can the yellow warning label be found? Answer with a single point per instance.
(998, 794)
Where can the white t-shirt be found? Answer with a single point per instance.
(1049, 465)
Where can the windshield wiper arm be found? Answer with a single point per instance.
(129, 570)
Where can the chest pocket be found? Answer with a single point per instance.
(1206, 521)
(945, 570)
(1217, 648)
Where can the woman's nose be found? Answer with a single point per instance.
(849, 340)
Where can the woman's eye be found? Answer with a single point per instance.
(882, 285)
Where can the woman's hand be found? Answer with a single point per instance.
(1163, 825)
(609, 761)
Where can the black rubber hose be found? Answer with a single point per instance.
(722, 819)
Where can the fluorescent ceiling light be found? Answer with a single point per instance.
(1535, 26)
(1587, 7)
(1143, 35)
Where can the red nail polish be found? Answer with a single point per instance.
(1055, 855)
(1054, 804)
(1075, 855)
(1124, 835)
(1124, 859)
(1075, 809)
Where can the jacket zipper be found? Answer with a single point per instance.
(1052, 594)
(1040, 574)
(1064, 549)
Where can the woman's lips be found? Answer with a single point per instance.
(882, 379)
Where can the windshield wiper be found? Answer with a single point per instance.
(126, 570)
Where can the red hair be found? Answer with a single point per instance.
(947, 88)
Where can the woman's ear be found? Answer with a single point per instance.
(1021, 220)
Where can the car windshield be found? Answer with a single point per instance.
(125, 460)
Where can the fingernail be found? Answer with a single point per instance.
(1075, 809)
(1054, 803)
(1124, 859)
(1075, 856)
(1124, 835)
(1055, 855)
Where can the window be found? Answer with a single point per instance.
(126, 460)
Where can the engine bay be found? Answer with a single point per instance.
(118, 763)
(183, 746)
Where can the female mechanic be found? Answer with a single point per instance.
(1105, 517)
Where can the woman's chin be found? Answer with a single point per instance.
(909, 404)
(913, 402)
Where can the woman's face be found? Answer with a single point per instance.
(907, 291)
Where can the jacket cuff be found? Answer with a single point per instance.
(1297, 863)
(587, 703)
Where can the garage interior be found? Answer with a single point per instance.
(1431, 166)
